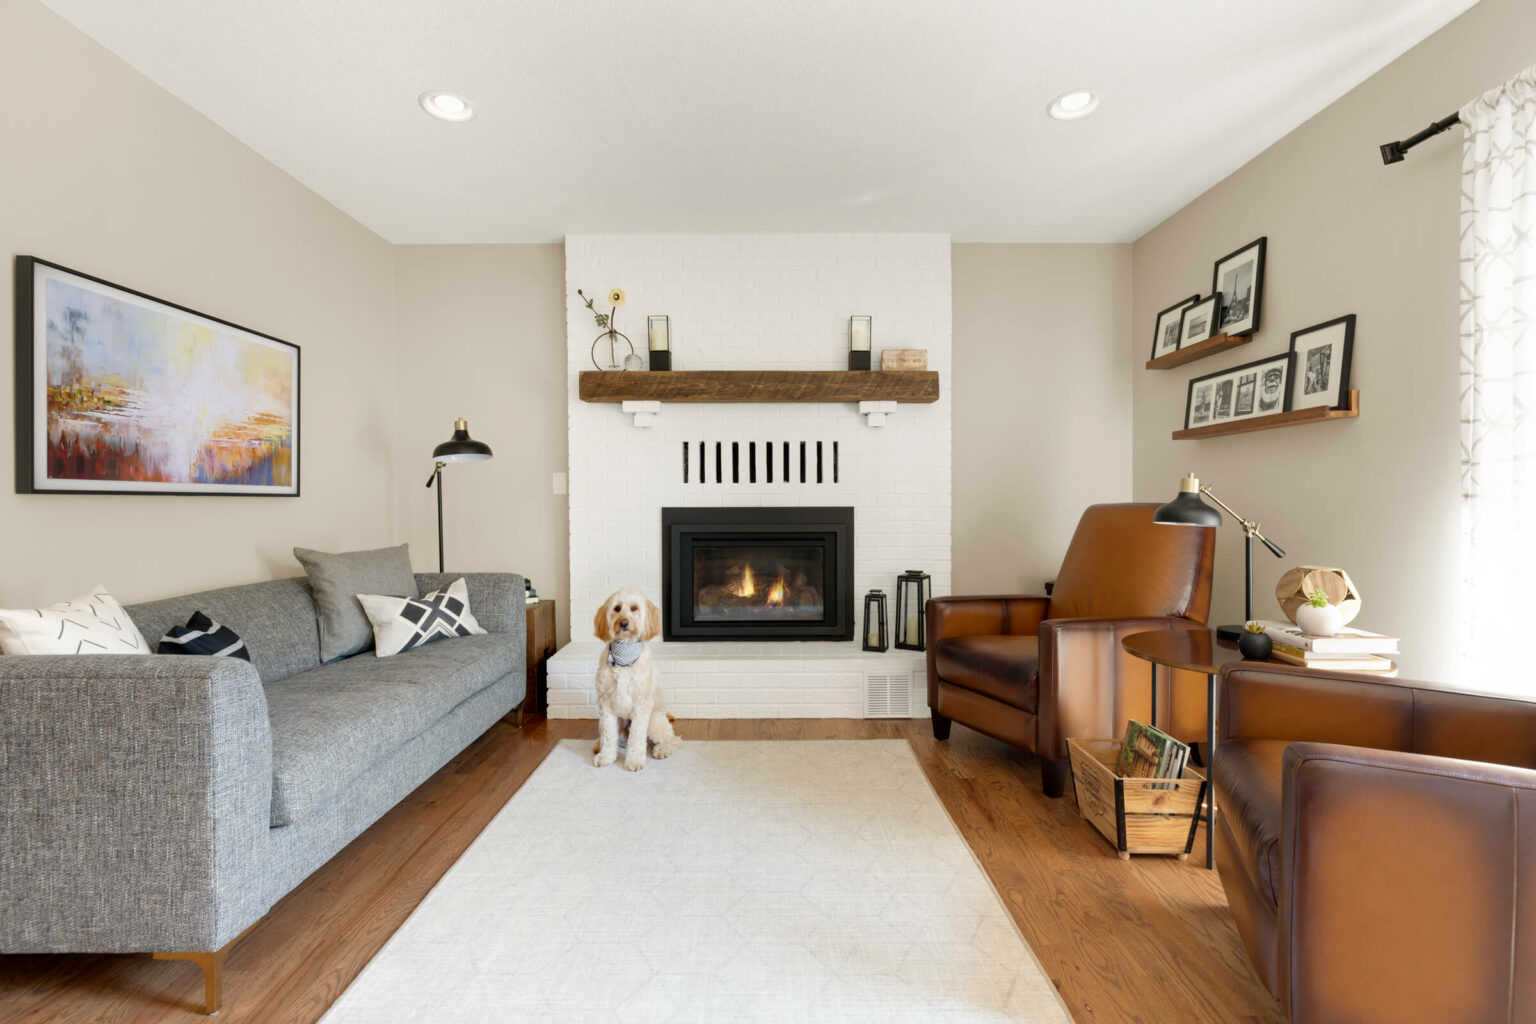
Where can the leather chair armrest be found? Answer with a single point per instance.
(947, 617)
(1082, 673)
(1277, 702)
(1404, 879)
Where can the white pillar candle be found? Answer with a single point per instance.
(859, 333)
(659, 339)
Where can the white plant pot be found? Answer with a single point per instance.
(1324, 621)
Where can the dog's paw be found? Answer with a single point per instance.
(602, 760)
(666, 748)
(633, 764)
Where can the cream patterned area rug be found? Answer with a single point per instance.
(774, 881)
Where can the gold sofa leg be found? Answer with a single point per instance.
(213, 970)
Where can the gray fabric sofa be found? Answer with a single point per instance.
(165, 803)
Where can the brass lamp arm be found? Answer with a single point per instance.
(1250, 528)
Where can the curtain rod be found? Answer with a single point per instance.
(1393, 152)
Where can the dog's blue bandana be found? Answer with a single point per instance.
(625, 652)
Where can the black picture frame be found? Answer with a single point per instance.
(26, 361)
(1250, 321)
(1195, 417)
(1158, 327)
(1210, 308)
(1334, 367)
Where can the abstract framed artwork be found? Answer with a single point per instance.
(118, 392)
(1323, 354)
(1239, 278)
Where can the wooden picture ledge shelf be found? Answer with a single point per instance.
(759, 386)
(1320, 414)
(1199, 350)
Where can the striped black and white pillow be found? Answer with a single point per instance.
(403, 623)
(201, 635)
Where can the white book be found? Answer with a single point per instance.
(1348, 640)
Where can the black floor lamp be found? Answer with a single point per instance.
(458, 448)
(1189, 509)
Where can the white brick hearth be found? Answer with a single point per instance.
(757, 302)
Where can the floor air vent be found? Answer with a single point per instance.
(888, 696)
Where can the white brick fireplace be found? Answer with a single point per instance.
(740, 302)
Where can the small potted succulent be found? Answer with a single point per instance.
(1255, 643)
(1318, 617)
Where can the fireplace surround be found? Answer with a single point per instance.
(783, 573)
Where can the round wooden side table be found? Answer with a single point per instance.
(1194, 650)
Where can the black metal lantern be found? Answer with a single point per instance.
(875, 636)
(913, 589)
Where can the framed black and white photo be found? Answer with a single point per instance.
(1166, 338)
(1198, 321)
(1259, 388)
(1239, 279)
(1323, 355)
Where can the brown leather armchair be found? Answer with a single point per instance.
(1376, 840)
(1032, 671)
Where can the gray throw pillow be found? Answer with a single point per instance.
(337, 580)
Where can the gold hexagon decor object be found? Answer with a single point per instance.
(1297, 583)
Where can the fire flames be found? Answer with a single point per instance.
(748, 588)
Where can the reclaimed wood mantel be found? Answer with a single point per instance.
(760, 386)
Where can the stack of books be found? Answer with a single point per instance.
(1351, 650)
(1150, 753)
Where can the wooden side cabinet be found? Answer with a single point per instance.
(541, 646)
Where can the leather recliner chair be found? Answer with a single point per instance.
(1032, 671)
(1376, 839)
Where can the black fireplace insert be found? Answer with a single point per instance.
(757, 573)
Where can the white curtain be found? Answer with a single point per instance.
(1498, 388)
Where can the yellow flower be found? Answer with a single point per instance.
(616, 296)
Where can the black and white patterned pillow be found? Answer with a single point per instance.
(403, 623)
(201, 635)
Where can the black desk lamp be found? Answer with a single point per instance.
(458, 448)
(1189, 509)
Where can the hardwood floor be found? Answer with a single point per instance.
(1147, 941)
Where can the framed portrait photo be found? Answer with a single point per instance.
(118, 392)
(1323, 354)
(1259, 388)
(1239, 279)
(1166, 337)
(1198, 320)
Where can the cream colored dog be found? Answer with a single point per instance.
(626, 684)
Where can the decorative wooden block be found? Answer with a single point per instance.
(1297, 583)
(904, 359)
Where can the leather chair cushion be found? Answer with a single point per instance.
(1249, 776)
(1005, 668)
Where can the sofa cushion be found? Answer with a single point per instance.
(1249, 775)
(331, 724)
(1002, 667)
(337, 579)
(276, 619)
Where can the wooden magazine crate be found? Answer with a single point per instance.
(1137, 815)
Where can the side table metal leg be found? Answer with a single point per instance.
(1154, 695)
(1210, 772)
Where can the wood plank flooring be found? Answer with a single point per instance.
(1149, 941)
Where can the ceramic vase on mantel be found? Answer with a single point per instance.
(1320, 621)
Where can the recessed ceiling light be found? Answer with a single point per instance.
(447, 106)
(1071, 105)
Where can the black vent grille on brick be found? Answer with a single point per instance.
(768, 462)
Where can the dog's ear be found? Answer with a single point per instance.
(600, 622)
(652, 621)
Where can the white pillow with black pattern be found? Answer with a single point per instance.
(92, 624)
(403, 623)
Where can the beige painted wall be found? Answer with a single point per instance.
(1042, 404)
(481, 334)
(106, 173)
(1378, 495)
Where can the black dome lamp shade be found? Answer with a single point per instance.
(1190, 509)
(458, 448)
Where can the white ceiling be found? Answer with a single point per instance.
(634, 116)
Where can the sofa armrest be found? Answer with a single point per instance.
(949, 617)
(1083, 677)
(135, 802)
(1276, 702)
(1405, 881)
